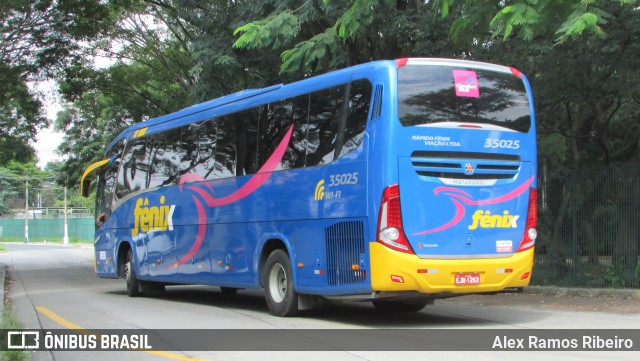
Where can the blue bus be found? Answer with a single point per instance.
(396, 182)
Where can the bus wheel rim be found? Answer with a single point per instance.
(277, 283)
(127, 272)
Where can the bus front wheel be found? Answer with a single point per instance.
(133, 285)
(282, 300)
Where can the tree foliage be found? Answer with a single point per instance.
(41, 35)
(38, 39)
(20, 116)
(528, 19)
(587, 92)
(168, 54)
(319, 36)
(13, 178)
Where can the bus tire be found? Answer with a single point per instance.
(401, 306)
(277, 279)
(133, 285)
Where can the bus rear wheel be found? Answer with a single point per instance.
(277, 279)
(133, 285)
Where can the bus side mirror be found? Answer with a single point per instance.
(85, 181)
(85, 188)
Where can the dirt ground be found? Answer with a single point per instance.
(554, 302)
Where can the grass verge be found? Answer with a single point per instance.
(10, 322)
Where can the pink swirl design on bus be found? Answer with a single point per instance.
(192, 177)
(255, 182)
(456, 195)
(202, 229)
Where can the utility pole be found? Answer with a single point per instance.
(65, 239)
(26, 210)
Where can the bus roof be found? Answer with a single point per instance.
(283, 91)
(280, 91)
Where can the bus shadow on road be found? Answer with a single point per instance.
(209, 296)
(445, 316)
(359, 314)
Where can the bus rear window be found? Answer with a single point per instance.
(431, 94)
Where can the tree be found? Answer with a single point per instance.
(318, 36)
(173, 53)
(205, 30)
(169, 54)
(588, 108)
(586, 92)
(13, 178)
(37, 40)
(122, 95)
(529, 19)
(42, 36)
(20, 116)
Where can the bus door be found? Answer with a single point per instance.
(104, 238)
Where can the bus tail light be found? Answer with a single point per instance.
(516, 72)
(401, 62)
(390, 232)
(530, 231)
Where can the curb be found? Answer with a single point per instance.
(584, 292)
(3, 279)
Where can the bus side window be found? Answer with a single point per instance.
(135, 167)
(337, 121)
(359, 100)
(226, 148)
(105, 193)
(237, 145)
(165, 163)
(280, 116)
(198, 148)
(273, 127)
(324, 116)
(298, 144)
(249, 122)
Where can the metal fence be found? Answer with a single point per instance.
(81, 229)
(49, 213)
(589, 225)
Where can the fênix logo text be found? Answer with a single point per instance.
(484, 219)
(154, 218)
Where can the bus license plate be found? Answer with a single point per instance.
(467, 279)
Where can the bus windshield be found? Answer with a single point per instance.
(439, 93)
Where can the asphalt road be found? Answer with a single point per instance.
(54, 287)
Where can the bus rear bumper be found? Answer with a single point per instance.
(393, 271)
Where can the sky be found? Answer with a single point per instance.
(48, 140)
